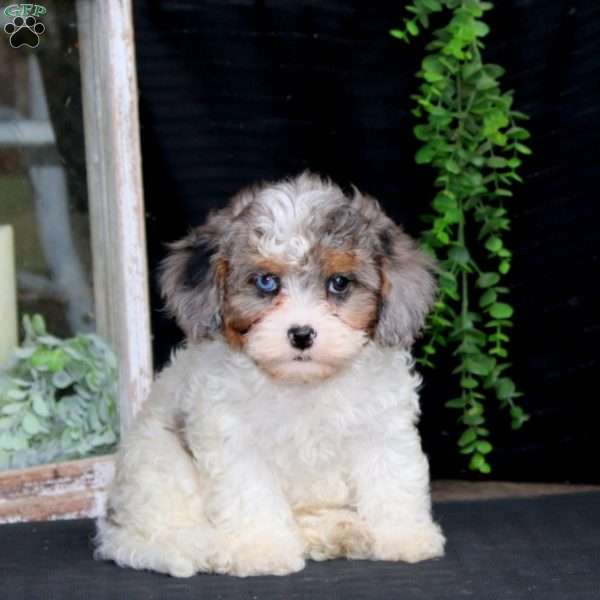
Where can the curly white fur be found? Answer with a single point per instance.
(252, 455)
(279, 471)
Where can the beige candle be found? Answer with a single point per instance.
(8, 294)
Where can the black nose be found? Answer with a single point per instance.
(301, 337)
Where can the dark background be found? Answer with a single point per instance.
(237, 91)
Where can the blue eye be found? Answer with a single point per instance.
(337, 284)
(267, 283)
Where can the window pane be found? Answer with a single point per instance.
(57, 394)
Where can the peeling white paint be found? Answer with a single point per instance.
(104, 473)
(68, 490)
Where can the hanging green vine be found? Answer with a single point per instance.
(471, 137)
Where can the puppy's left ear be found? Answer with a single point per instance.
(407, 287)
(192, 280)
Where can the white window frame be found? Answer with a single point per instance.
(116, 206)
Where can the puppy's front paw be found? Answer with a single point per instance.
(263, 555)
(333, 533)
(409, 544)
(179, 567)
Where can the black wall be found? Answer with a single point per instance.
(235, 91)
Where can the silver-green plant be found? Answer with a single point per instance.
(57, 399)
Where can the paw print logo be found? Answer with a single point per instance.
(24, 32)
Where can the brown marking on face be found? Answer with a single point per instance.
(385, 286)
(221, 270)
(338, 261)
(235, 328)
(360, 310)
(268, 265)
(237, 323)
(382, 293)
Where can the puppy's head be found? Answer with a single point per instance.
(300, 277)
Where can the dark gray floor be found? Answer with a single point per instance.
(544, 548)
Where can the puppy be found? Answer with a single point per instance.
(285, 428)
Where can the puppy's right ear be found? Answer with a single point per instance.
(192, 281)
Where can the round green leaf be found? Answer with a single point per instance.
(493, 244)
(480, 28)
(39, 405)
(468, 383)
(398, 34)
(522, 149)
(422, 132)
(38, 325)
(57, 361)
(488, 297)
(484, 447)
(443, 203)
(42, 358)
(486, 280)
(476, 462)
(468, 436)
(433, 5)
(432, 64)
(452, 166)
(424, 154)
(20, 441)
(455, 403)
(505, 389)
(62, 380)
(412, 28)
(485, 468)
(473, 420)
(459, 254)
(11, 409)
(31, 425)
(496, 162)
(479, 364)
(500, 310)
(504, 267)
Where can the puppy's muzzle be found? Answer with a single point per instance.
(301, 337)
